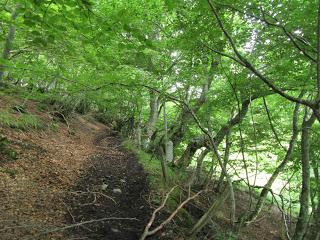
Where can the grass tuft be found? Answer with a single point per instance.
(6, 153)
(151, 165)
(22, 121)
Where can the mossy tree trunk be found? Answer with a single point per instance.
(303, 217)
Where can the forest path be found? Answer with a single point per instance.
(114, 186)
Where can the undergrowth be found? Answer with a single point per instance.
(20, 121)
(152, 167)
(63, 103)
(6, 153)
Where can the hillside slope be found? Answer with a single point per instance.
(74, 180)
(68, 174)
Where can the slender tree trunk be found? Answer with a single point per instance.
(185, 159)
(303, 218)
(214, 149)
(315, 163)
(263, 195)
(205, 217)
(200, 159)
(164, 153)
(225, 161)
(195, 178)
(177, 131)
(204, 141)
(153, 117)
(314, 231)
(9, 42)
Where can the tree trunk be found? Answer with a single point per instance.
(150, 127)
(263, 195)
(9, 42)
(195, 144)
(177, 131)
(200, 159)
(203, 141)
(164, 154)
(314, 231)
(303, 218)
(205, 217)
(225, 161)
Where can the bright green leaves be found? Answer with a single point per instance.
(173, 4)
(30, 19)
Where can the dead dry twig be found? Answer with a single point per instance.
(95, 196)
(146, 233)
(59, 229)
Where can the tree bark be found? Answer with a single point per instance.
(205, 217)
(225, 161)
(203, 140)
(150, 127)
(314, 231)
(177, 131)
(303, 218)
(200, 159)
(9, 42)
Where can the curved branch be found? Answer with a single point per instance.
(255, 71)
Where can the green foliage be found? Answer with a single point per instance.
(68, 104)
(54, 126)
(107, 55)
(42, 107)
(151, 165)
(22, 121)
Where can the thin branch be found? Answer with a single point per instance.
(255, 71)
(223, 54)
(153, 216)
(271, 124)
(84, 223)
(95, 193)
(290, 35)
(147, 233)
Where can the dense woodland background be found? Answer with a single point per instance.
(225, 95)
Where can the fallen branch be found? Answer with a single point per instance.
(153, 216)
(146, 233)
(62, 117)
(95, 193)
(83, 223)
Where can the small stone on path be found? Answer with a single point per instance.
(117, 190)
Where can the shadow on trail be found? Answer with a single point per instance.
(114, 186)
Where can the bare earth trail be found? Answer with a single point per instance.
(68, 175)
(113, 186)
(61, 178)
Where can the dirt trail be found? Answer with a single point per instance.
(113, 186)
(57, 181)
